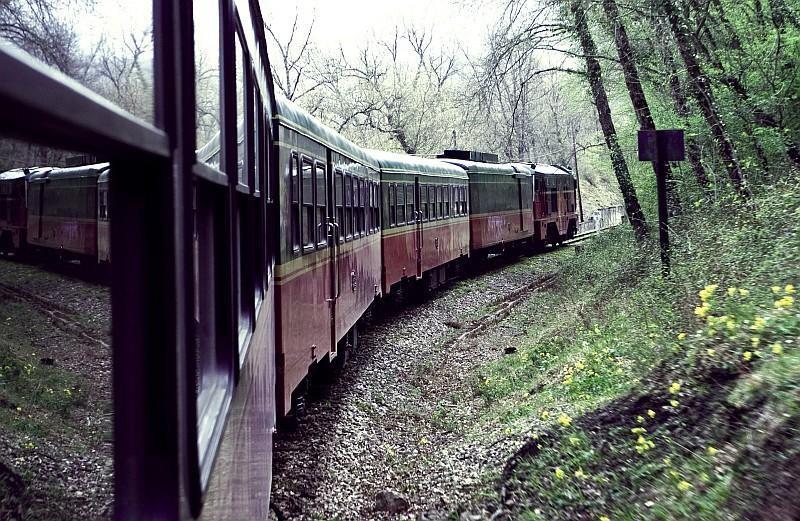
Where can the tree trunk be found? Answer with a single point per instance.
(701, 89)
(636, 93)
(683, 110)
(594, 75)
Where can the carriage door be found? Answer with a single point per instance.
(333, 229)
(418, 228)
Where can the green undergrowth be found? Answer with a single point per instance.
(645, 398)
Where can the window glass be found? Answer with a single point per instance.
(308, 203)
(207, 79)
(434, 201)
(392, 216)
(401, 204)
(241, 121)
(348, 201)
(322, 209)
(338, 190)
(295, 195)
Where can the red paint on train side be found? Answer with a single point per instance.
(442, 242)
(72, 235)
(309, 307)
(500, 228)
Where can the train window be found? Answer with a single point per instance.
(368, 209)
(321, 201)
(356, 207)
(553, 201)
(446, 191)
(338, 191)
(422, 204)
(362, 205)
(241, 164)
(307, 200)
(295, 221)
(401, 204)
(207, 80)
(348, 205)
(376, 205)
(440, 201)
(410, 217)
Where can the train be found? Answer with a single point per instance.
(241, 269)
(354, 225)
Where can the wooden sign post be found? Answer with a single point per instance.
(661, 147)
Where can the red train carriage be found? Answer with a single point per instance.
(500, 204)
(329, 264)
(555, 214)
(62, 210)
(425, 219)
(14, 207)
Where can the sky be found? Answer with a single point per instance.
(350, 23)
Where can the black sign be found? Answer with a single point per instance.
(661, 145)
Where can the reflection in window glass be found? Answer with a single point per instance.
(106, 45)
(207, 79)
(241, 156)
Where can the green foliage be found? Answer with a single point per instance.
(682, 396)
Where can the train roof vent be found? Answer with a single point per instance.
(470, 155)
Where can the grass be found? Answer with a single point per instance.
(644, 398)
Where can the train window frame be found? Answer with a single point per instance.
(338, 202)
(294, 201)
(320, 219)
(307, 220)
(400, 201)
(446, 203)
(361, 207)
(410, 203)
(434, 201)
(348, 206)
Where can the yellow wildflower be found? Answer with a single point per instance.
(639, 419)
(776, 289)
(706, 292)
(747, 355)
(559, 473)
(730, 324)
(784, 302)
(564, 420)
(638, 430)
(674, 388)
(789, 289)
(580, 474)
(574, 441)
(667, 461)
(731, 292)
(701, 311)
(545, 415)
(711, 352)
(758, 324)
(712, 451)
(651, 413)
(754, 341)
(674, 403)
(777, 348)
(684, 485)
(603, 518)
(744, 292)
(681, 336)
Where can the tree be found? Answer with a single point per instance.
(594, 75)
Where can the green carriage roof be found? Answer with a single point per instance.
(476, 167)
(404, 163)
(292, 116)
(71, 173)
(20, 173)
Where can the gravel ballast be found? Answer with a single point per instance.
(395, 436)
